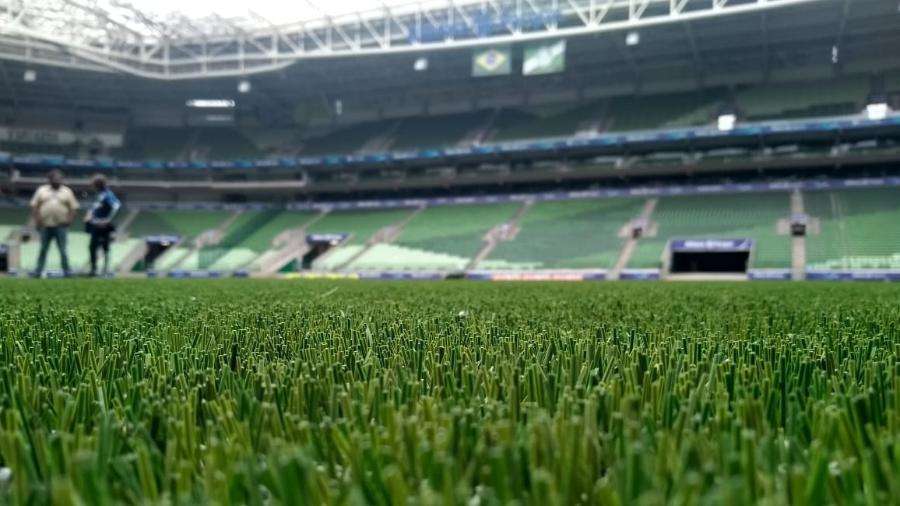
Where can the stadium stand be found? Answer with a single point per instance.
(439, 238)
(248, 236)
(119, 249)
(77, 250)
(153, 143)
(223, 144)
(360, 227)
(436, 132)
(545, 121)
(67, 150)
(665, 110)
(859, 229)
(344, 140)
(187, 224)
(14, 216)
(752, 216)
(11, 220)
(793, 100)
(181, 143)
(567, 235)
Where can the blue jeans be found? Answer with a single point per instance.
(60, 235)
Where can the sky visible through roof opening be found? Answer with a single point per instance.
(276, 11)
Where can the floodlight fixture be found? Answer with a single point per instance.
(877, 111)
(726, 122)
(244, 86)
(211, 103)
(421, 64)
(632, 39)
(338, 107)
(29, 76)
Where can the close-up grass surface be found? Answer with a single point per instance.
(270, 392)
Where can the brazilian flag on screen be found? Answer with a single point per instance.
(544, 58)
(492, 61)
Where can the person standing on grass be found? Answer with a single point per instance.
(98, 222)
(53, 208)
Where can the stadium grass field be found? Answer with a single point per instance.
(307, 392)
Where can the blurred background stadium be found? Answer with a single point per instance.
(492, 139)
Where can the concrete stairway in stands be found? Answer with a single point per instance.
(122, 228)
(287, 247)
(137, 253)
(208, 238)
(798, 243)
(631, 242)
(503, 232)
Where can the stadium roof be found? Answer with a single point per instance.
(715, 51)
(115, 35)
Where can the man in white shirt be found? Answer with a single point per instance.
(53, 208)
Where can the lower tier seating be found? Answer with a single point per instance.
(754, 216)
(567, 234)
(859, 229)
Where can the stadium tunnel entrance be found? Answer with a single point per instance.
(319, 244)
(156, 246)
(709, 256)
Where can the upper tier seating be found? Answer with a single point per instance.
(179, 143)
(344, 140)
(66, 150)
(436, 132)
(859, 229)
(803, 100)
(803, 96)
(567, 234)
(225, 144)
(661, 111)
(753, 216)
(153, 143)
(546, 121)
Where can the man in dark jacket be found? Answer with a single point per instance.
(98, 222)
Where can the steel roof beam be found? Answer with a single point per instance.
(184, 49)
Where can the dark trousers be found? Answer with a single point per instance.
(59, 234)
(100, 239)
